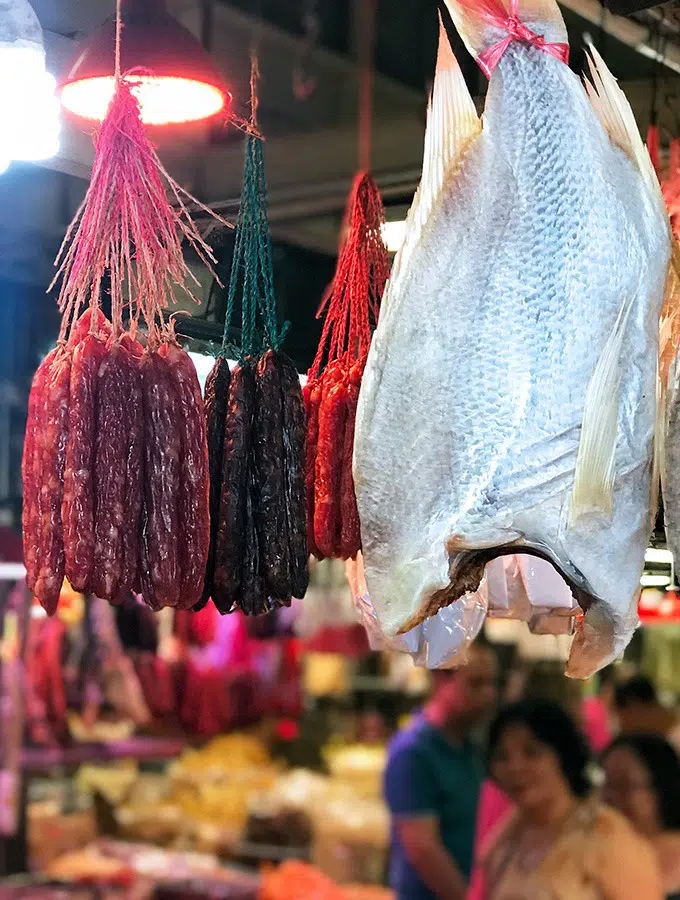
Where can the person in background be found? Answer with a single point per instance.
(541, 681)
(642, 775)
(432, 781)
(560, 842)
(639, 711)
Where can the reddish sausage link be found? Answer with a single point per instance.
(53, 459)
(270, 498)
(312, 394)
(350, 530)
(332, 416)
(118, 468)
(230, 543)
(134, 468)
(31, 472)
(194, 486)
(216, 397)
(82, 327)
(294, 438)
(79, 485)
(160, 571)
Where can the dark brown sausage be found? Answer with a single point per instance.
(294, 449)
(216, 397)
(230, 544)
(270, 499)
(78, 505)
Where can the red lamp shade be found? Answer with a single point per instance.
(176, 79)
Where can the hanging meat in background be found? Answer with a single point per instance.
(351, 309)
(216, 396)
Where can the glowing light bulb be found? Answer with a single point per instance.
(163, 100)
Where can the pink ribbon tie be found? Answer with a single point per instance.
(517, 31)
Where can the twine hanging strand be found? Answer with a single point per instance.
(252, 269)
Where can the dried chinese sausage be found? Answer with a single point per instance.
(253, 600)
(332, 415)
(216, 397)
(31, 471)
(52, 461)
(79, 486)
(160, 572)
(270, 499)
(294, 428)
(193, 498)
(118, 467)
(134, 471)
(312, 394)
(229, 547)
(83, 326)
(350, 529)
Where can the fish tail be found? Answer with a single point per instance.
(488, 26)
(595, 463)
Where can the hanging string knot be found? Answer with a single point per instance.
(494, 13)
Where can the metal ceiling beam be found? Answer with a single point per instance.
(625, 30)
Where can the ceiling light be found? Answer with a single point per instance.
(176, 80)
(393, 234)
(29, 110)
(653, 555)
(655, 580)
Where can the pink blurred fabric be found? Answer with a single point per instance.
(494, 806)
(596, 725)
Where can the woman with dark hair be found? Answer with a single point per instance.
(560, 843)
(643, 782)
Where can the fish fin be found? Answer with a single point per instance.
(452, 123)
(473, 18)
(669, 326)
(613, 110)
(595, 463)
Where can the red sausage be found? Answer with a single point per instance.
(332, 416)
(79, 500)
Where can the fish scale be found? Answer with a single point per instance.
(471, 412)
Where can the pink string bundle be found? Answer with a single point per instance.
(127, 225)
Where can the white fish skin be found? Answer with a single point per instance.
(472, 403)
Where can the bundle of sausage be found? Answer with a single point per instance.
(258, 557)
(115, 471)
(115, 458)
(256, 438)
(351, 308)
